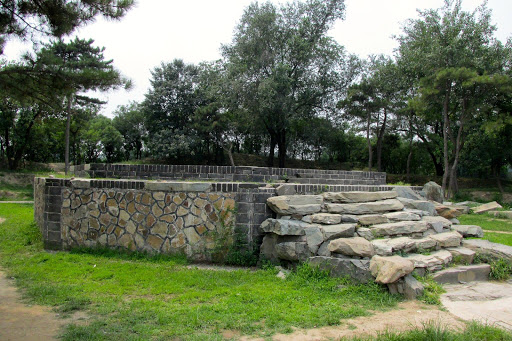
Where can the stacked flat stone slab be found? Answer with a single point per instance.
(364, 235)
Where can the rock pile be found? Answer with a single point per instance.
(364, 235)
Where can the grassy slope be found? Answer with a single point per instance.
(489, 223)
(132, 298)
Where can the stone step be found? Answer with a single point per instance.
(388, 246)
(463, 274)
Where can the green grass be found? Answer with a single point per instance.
(486, 222)
(435, 331)
(138, 297)
(10, 192)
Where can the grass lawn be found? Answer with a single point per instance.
(490, 223)
(136, 297)
(10, 192)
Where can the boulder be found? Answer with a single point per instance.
(422, 205)
(349, 218)
(356, 269)
(355, 197)
(437, 223)
(381, 247)
(447, 239)
(462, 254)
(372, 219)
(455, 221)
(366, 207)
(284, 227)
(469, 230)
(268, 248)
(323, 218)
(293, 251)
(402, 216)
(488, 248)
(296, 204)
(323, 250)
(401, 227)
(407, 192)
(389, 269)
(355, 246)
(429, 262)
(447, 212)
(486, 207)
(338, 231)
(433, 192)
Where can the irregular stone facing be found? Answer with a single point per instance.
(139, 220)
(355, 246)
(463, 274)
(389, 269)
(422, 205)
(323, 218)
(366, 207)
(357, 197)
(448, 212)
(447, 239)
(356, 269)
(314, 237)
(399, 228)
(402, 216)
(462, 254)
(338, 231)
(284, 227)
(372, 219)
(486, 207)
(486, 247)
(296, 204)
(469, 230)
(433, 192)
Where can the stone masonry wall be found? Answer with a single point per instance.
(230, 174)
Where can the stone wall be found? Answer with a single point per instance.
(159, 216)
(230, 174)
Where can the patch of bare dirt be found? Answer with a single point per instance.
(2, 220)
(408, 315)
(20, 321)
(501, 232)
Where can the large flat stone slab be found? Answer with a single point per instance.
(422, 205)
(469, 230)
(486, 207)
(402, 216)
(489, 248)
(284, 227)
(355, 197)
(462, 254)
(323, 218)
(447, 239)
(296, 204)
(399, 228)
(463, 274)
(366, 207)
(357, 269)
(338, 231)
(437, 223)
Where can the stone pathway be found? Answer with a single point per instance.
(486, 302)
(19, 321)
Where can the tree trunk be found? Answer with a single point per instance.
(369, 142)
(229, 148)
(68, 128)
(270, 161)
(446, 129)
(380, 137)
(281, 144)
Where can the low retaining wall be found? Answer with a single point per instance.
(167, 217)
(230, 174)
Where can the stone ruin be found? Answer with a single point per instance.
(371, 236)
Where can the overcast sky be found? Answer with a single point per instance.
(157, 31)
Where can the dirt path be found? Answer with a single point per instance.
(19, 321)
(409, 315)
(502, 232)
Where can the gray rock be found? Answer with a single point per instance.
(286, 190)
(467, 203)
(338, 231)
(165, 186)
(314, 237)
(356, 269)
(447, 239)
(323, 218)
(437, 223)
(355, 246)
(349, 218)
(366, 207)
(469, 230)
(463, 274)
(409, 286)
(433, 192)
(429, 262)
(372, 219)
(355, 197)
(463, 254)
(296, 204)
(364, 232)
(293, 251)
(424, 244)
(284, 227)
(389, 269)
(268, 248)
(401, 227)
(443, 255)
(407, 193)
(488, 248)
(448, 212)
(323, 250)
(455, 221)
(422, 205)
(382, 247)
(402, 216)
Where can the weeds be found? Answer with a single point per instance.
(432, 290)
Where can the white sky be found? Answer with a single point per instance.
(157, 31)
